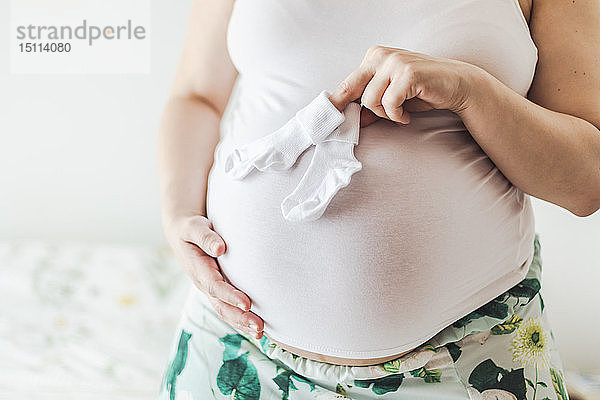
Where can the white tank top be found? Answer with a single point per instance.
(425, 233)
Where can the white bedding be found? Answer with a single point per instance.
(80, 321)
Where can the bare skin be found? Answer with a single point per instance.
(547, 144)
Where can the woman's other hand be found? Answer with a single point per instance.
(392, 82)
(197, 245)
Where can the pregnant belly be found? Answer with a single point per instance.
(425, 233)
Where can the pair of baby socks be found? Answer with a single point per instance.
(334, 135)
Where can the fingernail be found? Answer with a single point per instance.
(254, 326)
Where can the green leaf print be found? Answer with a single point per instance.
(177, 364)
(507, 326)
(526, 288)
(530, 383)
(285, 383)
(429, 347)
(232, 345)
(541, 301)
(301, 378)
(487, 375)
(339, 389)
(539, 383)
(454, 351)
(239, 376)
(383, 385)
(514, 382)
(557, 383)
(494, 309)
(429, 375)
(392, 366)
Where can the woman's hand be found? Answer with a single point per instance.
(392, 82)
(195, 244)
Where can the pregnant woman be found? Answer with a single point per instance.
(422, 277)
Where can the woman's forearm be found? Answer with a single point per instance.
(547, 154)
(188, 134)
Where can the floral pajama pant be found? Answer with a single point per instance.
(503, 350)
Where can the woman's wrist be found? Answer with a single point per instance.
(475, 83)
(178, 213)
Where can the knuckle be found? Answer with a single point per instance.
(198, 219)
(344, 88)
(397, 58)
(388, 104)
(218, 309)
(368, 101)
(375, 50)
(192, 224)
(410, 71)
(211, 288)
(242, 324)
(187, 225)
(395, 113)
(204, 238)
(220, 287)
(198, 283)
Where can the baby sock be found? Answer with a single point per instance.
(279, 150)
(331, 167)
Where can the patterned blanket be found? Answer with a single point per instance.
(86, 321)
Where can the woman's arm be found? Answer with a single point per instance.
(188, 135)
(189, 128)
(550, 150)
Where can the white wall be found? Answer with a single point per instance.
(570, 248)
(77, 162)
(77, 151)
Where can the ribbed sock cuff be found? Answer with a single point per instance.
(348, 131)
(320, 117)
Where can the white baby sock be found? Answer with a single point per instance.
(280, 149)
(332, 165)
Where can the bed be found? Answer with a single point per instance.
(86, 321)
